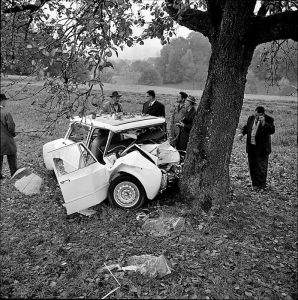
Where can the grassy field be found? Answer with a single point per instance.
(245, 250)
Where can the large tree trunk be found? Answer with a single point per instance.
(205, 177)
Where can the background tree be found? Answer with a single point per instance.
(170, 65)
(150, 76)
(140, 65)
(201, 52)
(190, 70)
(107, 75)
(273, 61)
(185, 60)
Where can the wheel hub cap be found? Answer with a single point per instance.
(126, 194)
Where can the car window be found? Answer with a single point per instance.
(98, 143)
(72, 158)
(79, 132)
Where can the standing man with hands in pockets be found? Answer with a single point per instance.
(258, 129)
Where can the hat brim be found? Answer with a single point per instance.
(116, 96)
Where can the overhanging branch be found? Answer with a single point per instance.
(274, 27)
(193, 19)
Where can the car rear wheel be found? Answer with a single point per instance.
(126, 192)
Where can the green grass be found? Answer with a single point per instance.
(245, 250)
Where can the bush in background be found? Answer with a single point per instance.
(150, 77)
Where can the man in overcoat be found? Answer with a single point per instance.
(8, 145)
(152, 106)
(258, 129)
(177, 115)
(186, 123)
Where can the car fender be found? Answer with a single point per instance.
(50, 146)
(145, 171)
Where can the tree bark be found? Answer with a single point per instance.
(205, 180)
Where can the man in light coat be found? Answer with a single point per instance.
(177, 115)
(113, 106)
(8, 145)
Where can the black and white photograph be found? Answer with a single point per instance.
(148, 149)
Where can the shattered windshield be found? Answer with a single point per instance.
(121, 140)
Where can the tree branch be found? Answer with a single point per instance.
(193, 19)
(26, 7)
(274, 27)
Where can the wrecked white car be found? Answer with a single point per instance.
(126, 159)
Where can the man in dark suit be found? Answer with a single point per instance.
(186, 123)
(258, 129)
(152, 106)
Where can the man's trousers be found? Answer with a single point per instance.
(258, 166)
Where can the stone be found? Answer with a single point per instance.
(27, 182)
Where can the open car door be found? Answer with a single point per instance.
(82, 179)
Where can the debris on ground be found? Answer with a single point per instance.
(87, 212)
(164, 226)
(149, 265)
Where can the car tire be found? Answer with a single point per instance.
(126, 192)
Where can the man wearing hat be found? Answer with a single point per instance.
(186, 123)
(8, 145)
(113, 106)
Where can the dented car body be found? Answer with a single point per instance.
(126, 159)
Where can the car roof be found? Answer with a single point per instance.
(127, 121)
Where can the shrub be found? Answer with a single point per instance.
(150, 77)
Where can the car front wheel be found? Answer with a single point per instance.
(126, 192)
